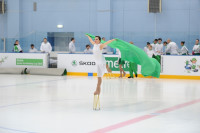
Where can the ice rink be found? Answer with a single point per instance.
(52, 104)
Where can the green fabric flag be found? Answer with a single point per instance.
(131, 53)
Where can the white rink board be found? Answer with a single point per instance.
(21, 60)
(71, 62)
(171, 65)
(86, 63)
(175, 65)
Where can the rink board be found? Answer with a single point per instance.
(171, 66)
(23, 60)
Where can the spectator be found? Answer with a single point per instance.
(159, 47)
(88, 50)
(146, 47)
(184, 50)
(150, 51)
(104, 51)
(72, 48)
(33, 49)
(158, 50)
(154, 44)
(17, 47)
(172, 47)
(45, 46)
(196, 48)
(166, 52)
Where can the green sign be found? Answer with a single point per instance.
(74, 63)
(113, 64)
(29, 62)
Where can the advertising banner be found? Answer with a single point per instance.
(28, 60)
(181, 65)
(86, 63)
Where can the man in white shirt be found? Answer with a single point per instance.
(88, 50)
(72, 48)
(158, 49)
(33, 49)
(154, 44)
(146, 47)
(150, 51)
(167, 51)
(196, 48)
(172, 47)
(45, 46)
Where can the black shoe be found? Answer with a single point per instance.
(136, 75)
(130, 77)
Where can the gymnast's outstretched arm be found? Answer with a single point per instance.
(90, 39)
(106, 43)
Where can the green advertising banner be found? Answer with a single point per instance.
(29, 62)
(113, 64)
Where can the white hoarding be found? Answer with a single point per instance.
(86, 63)
(27, 60)
(171, 65)
(181, 65)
